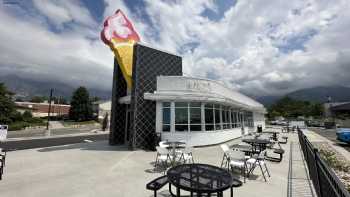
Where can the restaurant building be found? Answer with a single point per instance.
(164, 103)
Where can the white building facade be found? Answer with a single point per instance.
(203, 112)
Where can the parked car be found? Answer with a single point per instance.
(343, 135)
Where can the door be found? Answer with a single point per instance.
(127, 125)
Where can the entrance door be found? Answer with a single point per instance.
(127, 125)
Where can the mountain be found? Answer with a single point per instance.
(267, 101)
(316, 94)
(27, 88)
(320, 94)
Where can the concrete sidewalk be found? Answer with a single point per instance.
(97, 169)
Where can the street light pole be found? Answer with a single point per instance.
(48, 113)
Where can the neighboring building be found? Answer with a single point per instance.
(200, 111)
(42, 109)
(331, 109)
(339, 112)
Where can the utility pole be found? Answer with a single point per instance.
(48, 113)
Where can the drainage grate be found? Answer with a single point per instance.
(299, 183)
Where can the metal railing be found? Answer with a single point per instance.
(326, 183)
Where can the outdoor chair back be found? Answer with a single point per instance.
(237, 160)
(161, 144)
(162, 150)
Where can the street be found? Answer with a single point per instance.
(54, 132)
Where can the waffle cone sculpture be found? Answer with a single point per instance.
(119, 34)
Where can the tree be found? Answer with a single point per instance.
(81, 107)
(38, 99)
(7, 106)
(27, 115)
(292, 108)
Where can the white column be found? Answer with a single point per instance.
(221, 118)
(159, 117)
(188, 117)
(203, 116)
(172, 117)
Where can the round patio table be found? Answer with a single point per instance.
(256, 142)
(173, 145)
(199, 179)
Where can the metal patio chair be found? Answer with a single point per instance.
(258, 160)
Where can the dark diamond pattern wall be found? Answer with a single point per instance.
(118, 114)
(148, 64)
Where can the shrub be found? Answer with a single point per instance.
(18, 125)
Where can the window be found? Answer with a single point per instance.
(188, 117)
(209, 117)
(195, 117)
(248, 118)
(225, 118)
(240, 119)
(233, 119)
(217, 117)
(166, 117)
(181, 116)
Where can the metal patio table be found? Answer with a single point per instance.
(173, 145)
(256, 142)
(200, 179)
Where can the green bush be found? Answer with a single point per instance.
(27, 115)
(18, 125)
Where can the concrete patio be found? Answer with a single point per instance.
(97, 169)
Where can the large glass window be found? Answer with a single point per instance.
(217, 117)
(233, 119)
(195, 117)
(248, 119)
(240, 119)
(225, 118)
(209, 117)
(166, 116)
(188, 117)
(181, 116)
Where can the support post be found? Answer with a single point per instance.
(48, 113)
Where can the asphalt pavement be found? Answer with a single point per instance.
(54, 132)
(331, 135)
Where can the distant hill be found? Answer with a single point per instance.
(320, 94)
(316, 94)
(27, 88)
(267, 101)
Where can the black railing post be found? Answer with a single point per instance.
(316, 159)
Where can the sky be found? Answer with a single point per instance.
(253, 46)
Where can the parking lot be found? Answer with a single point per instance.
(331, 135)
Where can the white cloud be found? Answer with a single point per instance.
(33, 51)
(60, 12)
(257, 47)
(244, 48)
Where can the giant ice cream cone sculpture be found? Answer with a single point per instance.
(119, 34)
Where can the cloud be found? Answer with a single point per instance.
(257, 47)
(253, 46)
(30, 49)
(60, 12)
